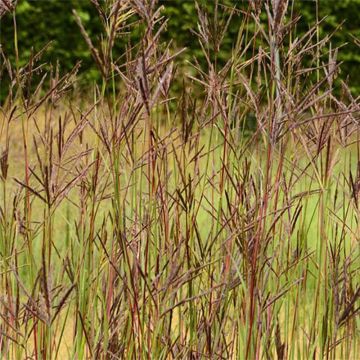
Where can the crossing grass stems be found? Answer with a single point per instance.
(141, 222)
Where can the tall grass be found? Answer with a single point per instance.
(148, 223)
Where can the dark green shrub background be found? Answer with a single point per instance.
(41, 21)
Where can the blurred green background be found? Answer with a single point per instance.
(41, 21)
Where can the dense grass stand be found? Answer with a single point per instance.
(181, 209)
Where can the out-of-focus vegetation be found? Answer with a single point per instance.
(40, 22)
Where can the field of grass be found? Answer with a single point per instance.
(218, 221)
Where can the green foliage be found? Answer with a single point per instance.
(333, 14)
(39, 22)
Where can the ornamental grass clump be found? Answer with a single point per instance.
(205, 208)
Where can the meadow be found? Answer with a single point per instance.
(182, 210)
